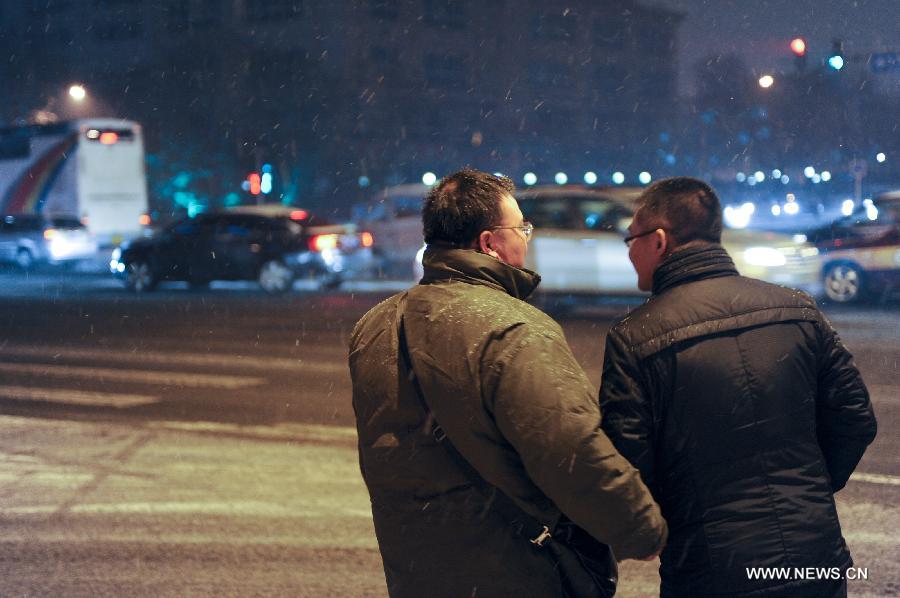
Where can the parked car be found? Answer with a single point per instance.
(578, 245)
(861, 252)
(273, 245)
(30, 239)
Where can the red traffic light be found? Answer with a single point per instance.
(798, 46)
(255, 182)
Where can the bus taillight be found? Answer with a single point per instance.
(108, 137)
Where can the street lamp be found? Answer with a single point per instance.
(766, 81)
(77, 92)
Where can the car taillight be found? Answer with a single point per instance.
(144, 220)
(322, 242)
(367, 239)
(49, 233)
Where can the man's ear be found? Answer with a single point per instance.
(663, 241)
(485, 243)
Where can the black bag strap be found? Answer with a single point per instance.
(525, 524)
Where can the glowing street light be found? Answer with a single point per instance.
(766, 81)
(429, 178)
(77, 92)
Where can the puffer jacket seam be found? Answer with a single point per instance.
(751, 385)
(636, 345)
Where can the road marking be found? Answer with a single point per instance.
(202, 359)
(76, 397)
(229, 508)
(876, 478)
(142, 376)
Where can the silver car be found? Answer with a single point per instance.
(578, 246)
(30, 239)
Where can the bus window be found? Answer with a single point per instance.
(14, 144)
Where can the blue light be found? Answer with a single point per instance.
(590, 177)
(363, 181)
(265, 182)
(429, 178)
(618, 178)
(266, 168)
(530, 178)
(836, 62)
(644, 177)
(561, 178)
(740, 177)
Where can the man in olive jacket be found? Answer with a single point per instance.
(504, 386)
(738, 403)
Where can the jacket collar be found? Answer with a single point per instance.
(474, 267)
(692, 264)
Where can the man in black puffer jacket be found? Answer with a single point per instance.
(739, 405)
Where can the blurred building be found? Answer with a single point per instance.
(332, 91)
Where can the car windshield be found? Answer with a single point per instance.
(66, 223)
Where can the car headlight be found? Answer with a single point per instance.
(116, 254)
(764, 256)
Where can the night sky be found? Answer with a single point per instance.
(759, 30)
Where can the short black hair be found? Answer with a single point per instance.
(462, 205)
(687, 208)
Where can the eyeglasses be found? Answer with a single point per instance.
(631, 238)
(527, 229)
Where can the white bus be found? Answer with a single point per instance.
(91, 169)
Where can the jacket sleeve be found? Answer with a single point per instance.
(544, 406)
(845, 421)
(627, 415)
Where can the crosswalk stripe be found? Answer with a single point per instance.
(876, 478)
(190, 380)
(202, 359)
(76, 397)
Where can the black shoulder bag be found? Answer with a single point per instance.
(586, 566)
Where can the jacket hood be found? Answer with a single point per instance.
(474, 267)
(692, 264)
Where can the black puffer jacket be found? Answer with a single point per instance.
(744, 413)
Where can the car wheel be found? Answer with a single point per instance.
(276, 277)
(139, 277)
(24, 259)
(331, 283)
(198, 284)
(843, 283)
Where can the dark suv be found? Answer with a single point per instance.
(30, 239)
(271, 244)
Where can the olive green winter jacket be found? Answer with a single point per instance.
(505, 387)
